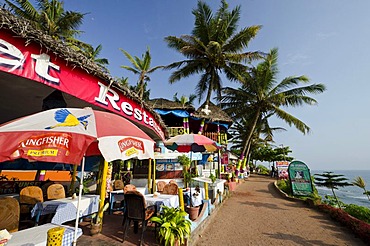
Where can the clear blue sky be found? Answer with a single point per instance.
(328, 41)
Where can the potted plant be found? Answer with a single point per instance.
(174, 228)
(185, 162)
(96, 222)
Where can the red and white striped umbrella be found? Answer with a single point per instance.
(191, 142)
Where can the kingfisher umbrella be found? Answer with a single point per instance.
(66, 135)
(191, 142)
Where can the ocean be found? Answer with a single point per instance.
(348, 194)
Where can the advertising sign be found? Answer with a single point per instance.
(282, 168)
(300, 178)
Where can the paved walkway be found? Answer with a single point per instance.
(257, 215)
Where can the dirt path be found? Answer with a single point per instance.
(257, 215)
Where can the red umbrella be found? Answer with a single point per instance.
(64, 135)
(191, 142)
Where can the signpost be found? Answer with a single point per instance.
(300, 178)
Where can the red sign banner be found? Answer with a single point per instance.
(37, 64)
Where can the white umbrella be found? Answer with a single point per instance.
(64, 136)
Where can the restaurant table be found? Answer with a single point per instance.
(117, 196)
(196, 197)
(165, 200)
(37, 236)
(65, 209)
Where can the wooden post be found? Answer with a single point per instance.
(103, 191)
(181, 199)
(206, 191)
(154, 170)
(150, 177)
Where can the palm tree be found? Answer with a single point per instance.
(141, 67)
(92, 54)
(331, 181)
(215, 46)
(185, 101)
(260, 95)
(50, 17)
(360, 182)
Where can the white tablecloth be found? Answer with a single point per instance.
(196, 198)
(165, 200)
(65, 209)
(37, 236)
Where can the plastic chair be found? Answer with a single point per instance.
(136, 210)
(56, 191)
(9, 214)
(160, 186)
(171, 189)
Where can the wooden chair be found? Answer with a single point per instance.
(56, 191)
(160, 186)
(118, 184)
(137, 211)
(28, 197)
(9, 214)
(129, 187)
(171, 189)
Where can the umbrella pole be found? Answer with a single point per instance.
(79, 200)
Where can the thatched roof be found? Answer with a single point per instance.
(24, 29)
(215, 113)
(162, 103)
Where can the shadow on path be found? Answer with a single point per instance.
(298, 240)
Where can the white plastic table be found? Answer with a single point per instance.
(37, 236)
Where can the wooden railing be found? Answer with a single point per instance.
(220, 138)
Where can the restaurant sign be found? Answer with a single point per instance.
(300, 178)
(31, 62)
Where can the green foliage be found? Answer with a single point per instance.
(359, 212)
(360, 182)
(331, 181)
(184, 160)
(172, 226)
(212, 177)
(285, 186)
(263, 170)
(333, 201)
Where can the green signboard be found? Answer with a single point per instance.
(300, 178)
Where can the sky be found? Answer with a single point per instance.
(328, 41)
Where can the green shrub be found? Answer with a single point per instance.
(359, 212)
(284, 185)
